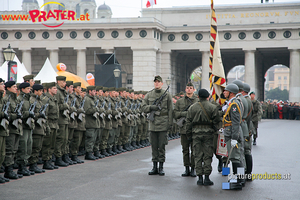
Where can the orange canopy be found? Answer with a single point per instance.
(73, 77)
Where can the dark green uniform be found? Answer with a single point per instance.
(99, 131)
(73, 121)
(199, 127)
(3, 130)
(255, 116)
(163, 120)
(180, 111)
(63, 121)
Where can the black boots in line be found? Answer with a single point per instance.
(206, 181)
(159, 170)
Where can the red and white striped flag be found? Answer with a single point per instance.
(150, 3)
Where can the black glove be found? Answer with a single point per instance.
(154, 108)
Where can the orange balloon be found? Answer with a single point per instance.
(91, 81)
(61, 67)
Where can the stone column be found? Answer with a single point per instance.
(1, 57)
(205, 70)
(26, 59)
(250, 77)
(158, 62)
(54, 59)
(81, 63)
(166, 68)
(294, 93)
(144, 68)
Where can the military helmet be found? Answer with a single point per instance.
(239, 83)
(246, 87)
(232, 88)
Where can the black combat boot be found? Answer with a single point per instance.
(207, 181)
(103, 152)
(130, 146)
(115, 150)
(89, 156)
(34, 167)
(193, 173)
(154, 170)
(161, 169)
(109, 151)
(220, 165)
(187, 171)
(81, 151)
(47, 165)
(2, 180)
(59, 162)
(126, 147)
(53, 158)
(134, 145)
(98, 154)
(120, 148)
(5, 179)
(9, 173)
(238, 185)
(249, 165)
(200, 180)
(2, 169)
(23, 170)
(254, 141)
(75, 158)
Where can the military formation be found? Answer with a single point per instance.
(54, 123)
(280, 110)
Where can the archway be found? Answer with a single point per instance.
(236, 73)
(196, 77)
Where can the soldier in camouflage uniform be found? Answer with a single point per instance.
(29, 79)
(257, 111)
(41, 127)
(80, 128)
(202, 118)
(3, 128)
(52, 119)
(112, 131)
(125, 121)
(25, 143)
(63, 121)
(180, 111)
(119, 122)
(12, 140)
(159, 127)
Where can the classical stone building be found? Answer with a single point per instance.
(167, 41)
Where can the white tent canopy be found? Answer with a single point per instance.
(47, 73)
(22, 71)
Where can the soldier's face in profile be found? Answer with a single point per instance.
(226, 94)
(26, 90)
(2, 87)
(158, 84)
(31, 82)
(13, 89)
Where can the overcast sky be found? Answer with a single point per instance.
(132, 8)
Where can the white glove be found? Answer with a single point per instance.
(233, 142)
(224, 107)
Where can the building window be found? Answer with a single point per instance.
(279, 87)
(285, 78)
(285, 87)
(279, 77)
(61, 7)
(86, 11)
(129, 81)
(77, 11)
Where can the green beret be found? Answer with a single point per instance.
(83, 90)
(77, 84)
(203, 93)
(24, 85)
(61, 78)
(37, 81)
(189, 84)
(37, 87)
(90, 88)
(69, 83)
(99, 88)
(28, 77)
(158, 78)
(50, 85)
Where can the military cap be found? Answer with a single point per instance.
(112, 89)
(122, 89)
(50, 85)
(232, 88)
(252, 92)
(18, 86)
(1, 80)
(37, 82)
(24, 85)
(157, 77)
(90, 88)
(77, 84)
(239, 83)
(37, 87)
(246, 87)
(105, 89)
(69, 83)
(83, 90)
(9, 84)
(28, 77)
(61, 78)
(45, 85)
(127, 90)
(181, 93)
(99, 88)
(131, 90)
(189, 84)
(203, 93)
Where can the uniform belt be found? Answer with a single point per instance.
(164, 114)
(225, 125)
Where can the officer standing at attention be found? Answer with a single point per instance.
(232, 129)
(180, 111)
(202, 118)
(159, 127)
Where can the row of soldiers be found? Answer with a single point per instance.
(57, 118)
(281, 110)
